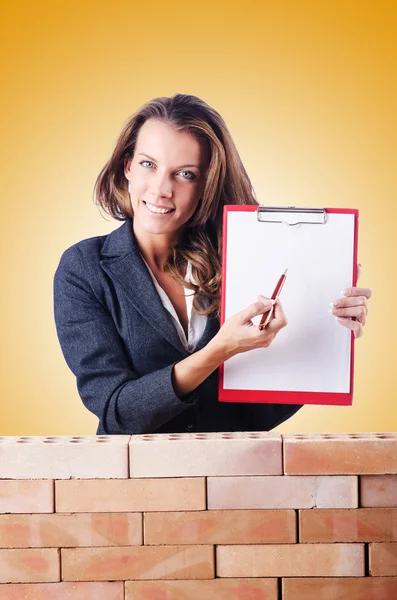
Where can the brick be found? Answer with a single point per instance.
(337, 491)
(383, 559)
(63, 591)
(325, 454)
(358, 588)
(62, 457)
(378, 490)
(26, 496)
(354, 525)
(216, 589)
(291, 560)
(130, 495)
(217, 454)
(29, 565)
(63, 530)
(280, 492)
(139, 562)
(221, 527)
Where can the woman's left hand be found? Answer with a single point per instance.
(353, 304)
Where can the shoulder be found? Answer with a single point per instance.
(89, 251)
(85, 249)
(82, 255)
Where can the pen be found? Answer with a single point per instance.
(277, 290)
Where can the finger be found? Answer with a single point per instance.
(355, 326)
(278, 310)
(267, 318)
(359, 312)
(256, 308)
(279, 319)
(265, 299)
(355, 291)
(350, 301)
(267, 340)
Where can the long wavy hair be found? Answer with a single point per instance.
(227, 182)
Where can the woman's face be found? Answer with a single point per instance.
(167, 178)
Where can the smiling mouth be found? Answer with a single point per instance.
(157, 210)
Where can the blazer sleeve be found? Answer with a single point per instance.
(268, 416)
(94, 351)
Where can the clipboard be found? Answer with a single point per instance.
(311, 360)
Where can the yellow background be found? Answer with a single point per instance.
(308, 90)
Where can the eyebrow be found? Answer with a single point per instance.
(151, 158)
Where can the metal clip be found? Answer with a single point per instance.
(291, 215)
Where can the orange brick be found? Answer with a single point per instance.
(62, 457)
(139, 562)
(130, 495)
(354, 525)
(216, 589)
(378, 490)
(281, 492)
(23, 496)
(383, 559)
(217, 454)
(63, 530)
(63, 591)
(221, 527)
(361, 453)
(29, 565)
(291, 560)
(359, 588)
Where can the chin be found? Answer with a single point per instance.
(157, 228)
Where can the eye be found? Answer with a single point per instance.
(193, 176)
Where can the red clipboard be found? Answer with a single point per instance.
(284, 396)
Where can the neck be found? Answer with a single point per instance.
(154, 248)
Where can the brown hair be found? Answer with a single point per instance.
(226, 182)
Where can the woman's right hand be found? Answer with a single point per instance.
(239, 334)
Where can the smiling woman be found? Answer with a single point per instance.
(164, 194)
(137, 311)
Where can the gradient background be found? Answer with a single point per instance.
(308, 90)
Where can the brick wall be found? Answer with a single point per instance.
(225, 516)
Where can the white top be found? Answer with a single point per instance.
(196, 323)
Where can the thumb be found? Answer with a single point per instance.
(257, 308)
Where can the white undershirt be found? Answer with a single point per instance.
(196, 323)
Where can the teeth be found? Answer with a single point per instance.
(158, 210)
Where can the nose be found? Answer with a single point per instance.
(161, 186)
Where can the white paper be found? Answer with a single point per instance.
(312, 353)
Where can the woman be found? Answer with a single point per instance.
(137, 311)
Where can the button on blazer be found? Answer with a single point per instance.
(120, 342)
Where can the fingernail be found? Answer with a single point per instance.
(265, 299)
(345, 292)
(268, 302)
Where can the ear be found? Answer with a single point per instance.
(127, 164)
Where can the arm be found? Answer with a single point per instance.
(191, 371)
(95, 352)
(236, 335)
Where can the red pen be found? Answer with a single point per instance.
(267, 316)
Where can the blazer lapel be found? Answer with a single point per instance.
(122, 261)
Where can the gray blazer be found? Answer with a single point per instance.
(121, 344)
